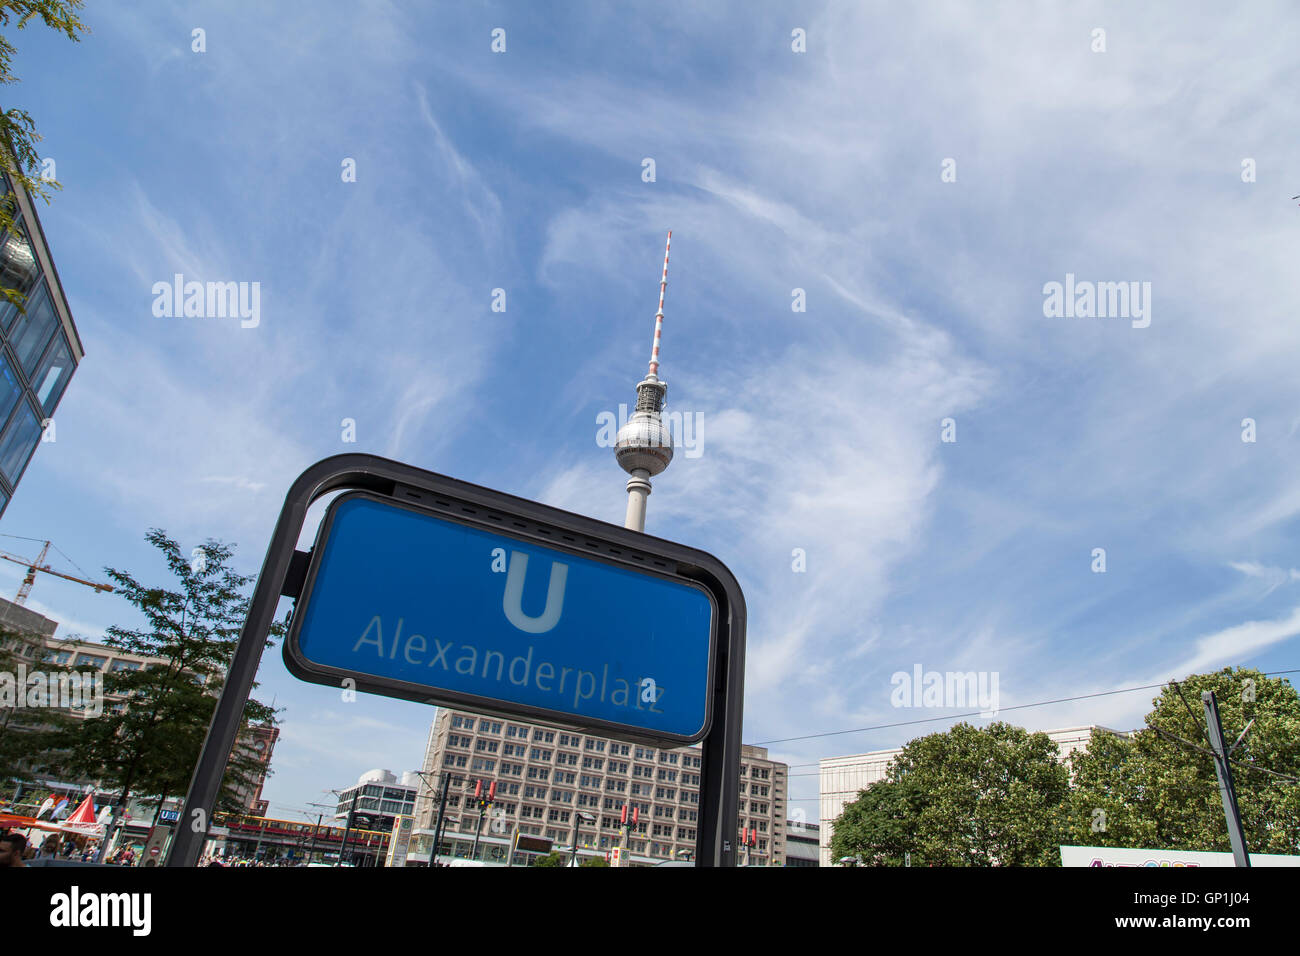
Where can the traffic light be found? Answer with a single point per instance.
(478, 789)
(622, 817)
(492, 791)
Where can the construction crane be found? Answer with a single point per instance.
(39, 565)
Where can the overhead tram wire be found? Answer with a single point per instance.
(976, 713)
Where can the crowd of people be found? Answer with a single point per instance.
(16, 849)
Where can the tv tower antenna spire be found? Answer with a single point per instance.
(645, 446)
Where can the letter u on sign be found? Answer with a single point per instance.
(512, 602)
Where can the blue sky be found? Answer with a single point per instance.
(821, 429)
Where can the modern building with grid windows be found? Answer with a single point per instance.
(554, 783)
(39, 345)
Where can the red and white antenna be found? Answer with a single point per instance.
(659, 316)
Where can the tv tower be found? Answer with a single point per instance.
(644, 446)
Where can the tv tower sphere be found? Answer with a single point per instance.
(644, 444)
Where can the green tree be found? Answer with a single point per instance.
(150, 745)
(1159, 792)
(17, 128)
(594, 861)
(554, 858)
(877, 827)
(966, 797)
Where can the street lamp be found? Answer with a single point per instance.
(483, 801)
(316, 829)
(585, 817)
(348, 825)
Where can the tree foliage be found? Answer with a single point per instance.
(1000, 796)
(968, 797)
(1155, 791)
(153, 744)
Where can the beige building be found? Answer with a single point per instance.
(843, 778)
(551, 781)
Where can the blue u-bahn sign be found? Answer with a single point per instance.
(426, 588)
(414, 604)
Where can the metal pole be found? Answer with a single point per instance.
(478, 827)
(437, 827)
(314, 830)
(348, 827)
(573, 855)
(1223, 770)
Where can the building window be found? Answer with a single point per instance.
(52, 375)
(18, 442)
(19, 269)
(34, 329)
(90, 660)
(11, 389)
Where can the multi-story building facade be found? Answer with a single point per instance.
(554, 783)
(380, 796)
(801, 846)
(39, 345)
(843, 778)
(258, 743)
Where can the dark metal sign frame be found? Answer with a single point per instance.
(557, 539)
(284, 573)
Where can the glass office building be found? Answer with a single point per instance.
(39, 346)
